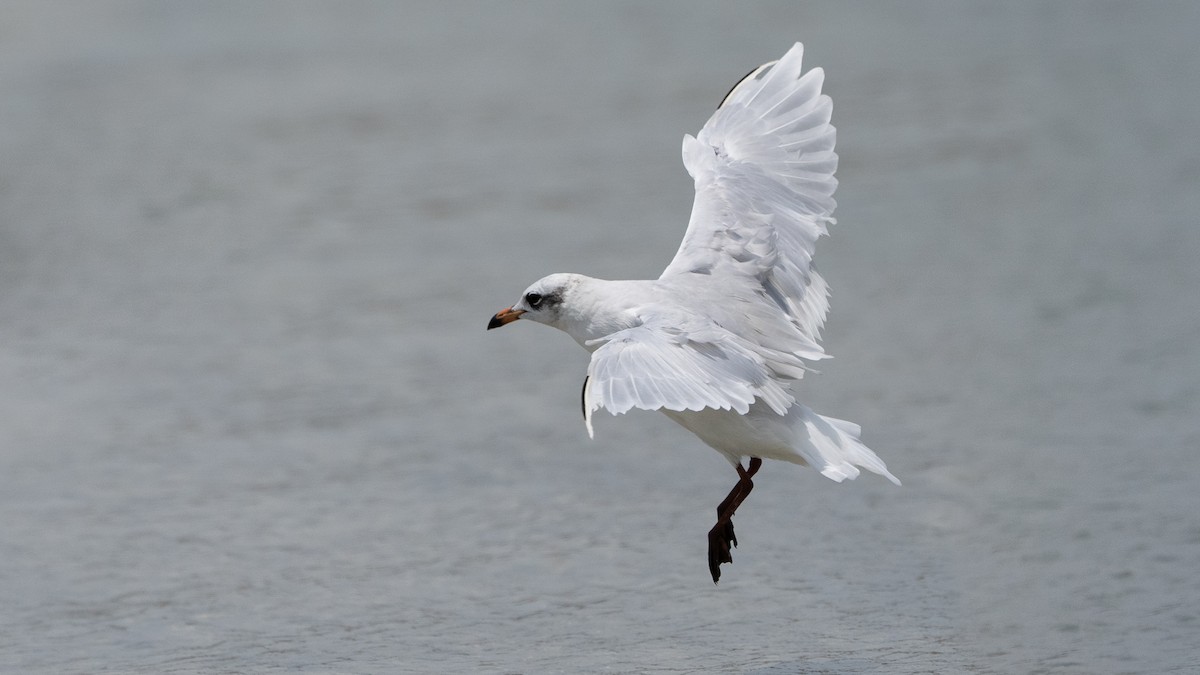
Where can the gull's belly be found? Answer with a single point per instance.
(759, 433)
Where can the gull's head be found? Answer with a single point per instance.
(542, 302)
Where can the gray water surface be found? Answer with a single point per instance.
(251, 422)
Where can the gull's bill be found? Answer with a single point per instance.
(504, 317)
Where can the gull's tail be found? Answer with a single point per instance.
(831, 446)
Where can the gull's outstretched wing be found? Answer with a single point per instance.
(763, 166)
(677, 364)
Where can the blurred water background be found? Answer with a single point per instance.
(251, 422)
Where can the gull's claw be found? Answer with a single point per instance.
(720, 540)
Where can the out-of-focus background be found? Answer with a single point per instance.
(250, 420)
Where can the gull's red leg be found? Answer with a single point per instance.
(721, 536)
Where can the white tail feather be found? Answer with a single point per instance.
(832, 447)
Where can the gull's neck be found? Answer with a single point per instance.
(594, 308)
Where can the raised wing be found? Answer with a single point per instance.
(763, 166)
(665, 366)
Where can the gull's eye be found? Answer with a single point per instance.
(533, 299)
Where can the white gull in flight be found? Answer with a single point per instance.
(717, 340)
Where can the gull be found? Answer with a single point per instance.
(717, 341)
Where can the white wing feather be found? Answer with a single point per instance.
(690, 367)
(752, 306)
(763, 167)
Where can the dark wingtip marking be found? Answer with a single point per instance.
(583, 397)
(764, 68)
